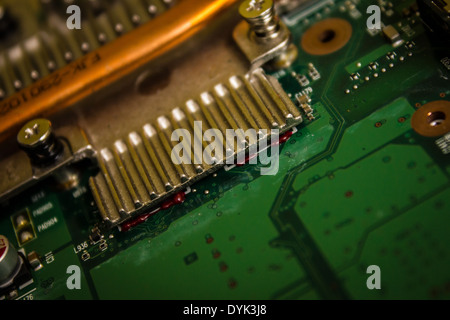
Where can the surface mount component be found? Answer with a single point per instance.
(392, 35)
(9, 261)
(138, 172)
(23, 227)
(444, 143)
(14, 271)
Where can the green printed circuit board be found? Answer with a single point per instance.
(361, 183)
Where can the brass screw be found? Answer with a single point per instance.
(260, 14)
(38, 141)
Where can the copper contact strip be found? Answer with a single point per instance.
(142, 175)
(180, 121)
(144, 166)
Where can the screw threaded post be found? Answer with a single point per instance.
(260, 14)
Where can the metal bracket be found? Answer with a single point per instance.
(17, 172)
(259, 50)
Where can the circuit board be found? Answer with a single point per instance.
(359, 184)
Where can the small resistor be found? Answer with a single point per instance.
(313, 73)
(304, 102)
(302, 79)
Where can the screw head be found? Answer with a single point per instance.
(35, 133)
(251, 9)
(38, 141)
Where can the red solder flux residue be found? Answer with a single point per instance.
(285, 137)
(177, 199)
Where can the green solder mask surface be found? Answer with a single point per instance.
(356, 187)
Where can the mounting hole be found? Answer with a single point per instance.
(432, 119)
(436, 118)
(327, 36)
